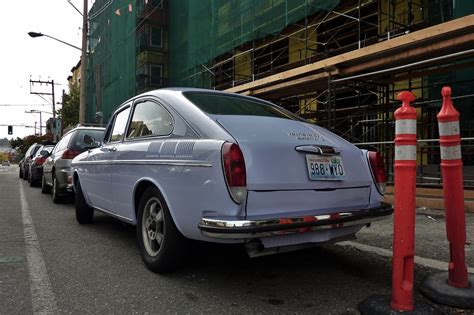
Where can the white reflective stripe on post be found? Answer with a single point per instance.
(451, 153)
(405, 153)
(448, 128)
(405, 126)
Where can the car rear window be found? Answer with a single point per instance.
(83, 138)
(216, 104)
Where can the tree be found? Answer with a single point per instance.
(18, 144)
(3, 156)
(69, 113)
(22, 145)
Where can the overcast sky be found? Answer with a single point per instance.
(42, 58)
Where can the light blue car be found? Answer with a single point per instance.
(192, 164)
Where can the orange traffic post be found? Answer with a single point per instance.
(452, 288)
(404, 220)
(404, 201)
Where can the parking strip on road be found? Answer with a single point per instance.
(42, 295)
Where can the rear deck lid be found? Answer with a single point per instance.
(285, 154)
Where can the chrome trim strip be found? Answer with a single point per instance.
(245, 229)
(146, 162)
(115, 215)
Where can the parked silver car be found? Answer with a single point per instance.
(57, 167)
(205, 165)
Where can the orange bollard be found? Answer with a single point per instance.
(404, 201)
(402, 299)
(451, 170)
(456, 286)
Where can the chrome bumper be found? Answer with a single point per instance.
(244, 229)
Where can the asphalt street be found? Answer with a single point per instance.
(48, 262)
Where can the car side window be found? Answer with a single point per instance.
(120, 123)
(63, 143)
(150, 119)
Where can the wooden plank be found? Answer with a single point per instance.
(294, 83)
(411, 54)
(408, 39)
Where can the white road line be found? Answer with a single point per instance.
(42, 295)
(426, 262)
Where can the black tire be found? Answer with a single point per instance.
(20, 173)
(25, 175)
(84, 213)
(31, 181)
(56, 198)
(161, 257)
(45, 189)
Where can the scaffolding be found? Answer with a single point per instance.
(357, 107)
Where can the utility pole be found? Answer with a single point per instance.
(83, 87)
(32, 82)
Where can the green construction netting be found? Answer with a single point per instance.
(201, 30)
(111, 58)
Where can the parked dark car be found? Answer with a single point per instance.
(57, 167)
(26, 161)
(36, 167)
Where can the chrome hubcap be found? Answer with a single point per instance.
(153, 226)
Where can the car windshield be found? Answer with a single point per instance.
(216, 104)
(86, 138)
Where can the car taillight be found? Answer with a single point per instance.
(69, 154)
(378, 170)
(234, 170)
(40, 161)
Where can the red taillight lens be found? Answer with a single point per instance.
(234, 170)
(378, 170)
(40, 161)
(69, 154)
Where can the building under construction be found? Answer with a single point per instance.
(337, 63)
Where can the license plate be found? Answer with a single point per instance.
(325, 167)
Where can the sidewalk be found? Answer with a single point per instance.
(430, 235)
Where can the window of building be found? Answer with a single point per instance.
(156, 37)
(156, 74)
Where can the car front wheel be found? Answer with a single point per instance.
(162, 246)
(84, 213)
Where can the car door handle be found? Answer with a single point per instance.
(317, 149)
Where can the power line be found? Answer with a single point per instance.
(23, 105)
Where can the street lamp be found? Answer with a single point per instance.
(36, 34)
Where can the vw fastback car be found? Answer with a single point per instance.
(193, 164)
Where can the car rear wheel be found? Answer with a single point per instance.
(162, 246)
(45, 189)
(31, 180)
(84, 213)
(55, 191)
(20, 174)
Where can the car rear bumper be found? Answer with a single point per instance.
(64, 179)
(244, 229)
